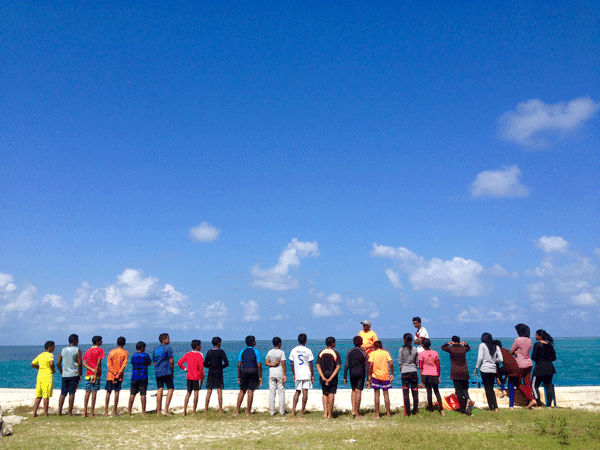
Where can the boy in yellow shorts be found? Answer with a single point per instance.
(44, 364)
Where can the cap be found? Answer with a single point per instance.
(366, 322)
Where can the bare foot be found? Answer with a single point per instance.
(443, 412)
(358, 416)
(376, 417)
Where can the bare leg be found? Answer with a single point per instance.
(304, 399)
(61, 402)
(36, 405)
(159, 394)
(185, 403)
(86, 399)
(295, 402)
(106, 403)
(196, 394)
(240, 399)
(143, 400)
(207, 399)
(331, 399)
(376, 401)
(220, 397)
(250, 400)
(131, 399)
(168, 401)
(93, 406)
(358, 398)
(325, 405)
(46, 404)
(386, 399)
(116, 403)
(71, 403)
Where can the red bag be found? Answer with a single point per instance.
(450, 402)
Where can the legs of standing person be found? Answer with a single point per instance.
(281, 393)
(428, 387)
(185, 402)
(196, 395)
(240, 399)
(376, 402)
(536, 382)
(460, 393)
(436, 390)
(386, 400)
(325, 405)
(107, 401)
(159, 396)
(547, 379)
(357, 396)
(295, 401)
(168, 400)
(304, 399)
(525, 386)
(406, 395)
(415, 394)
(36, 405)
(272, 392)
(61, 402)
(207, 399)
(488, 383)
(250, 400)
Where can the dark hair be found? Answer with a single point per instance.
(357, 341)
(456, 339)
(417, 319)
(302, 338)
(545, 336)
(498, 343)
(250, 340)
(162, 337)
(196, 343)
(378, 344)
(426, 344)
(140, 345)
(276, 341)
(73, 338)
(96, 340)
(488, 340)
(329, 341)
(407, 338)
(48, 344)
(216, 341)
(121, 341)
(522, 330)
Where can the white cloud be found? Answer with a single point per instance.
(497, 271)
(551, 244)
(393, 277)
(499, 183)
(204, 232)
(20, 302)
(250, 311)
(6, 282)
(459, 276)
(434, 302)
(471, 314)
(215, 311)
(281, 301)
(531, 121)
(278, 277)
(325, 309)
(584, 299)
(55, 301)
(361, 306)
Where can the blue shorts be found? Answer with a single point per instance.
(113, 386)
(69, 385)
(90, 386)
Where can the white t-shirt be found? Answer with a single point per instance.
(300, 357)
(421, 334)
(274, 355)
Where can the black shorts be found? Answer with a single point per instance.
(430, 379)
(357, 382)
(140, 386)
(166, 379)
(249, 381)
(215, 382)
(113, 386)
(193, 385)
(331, 388)
(69, 385)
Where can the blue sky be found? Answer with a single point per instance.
(274, 168)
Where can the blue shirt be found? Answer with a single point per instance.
(161, 357)
(140, 363)
(249, 357)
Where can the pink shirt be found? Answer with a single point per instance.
(429, 363)
(522, 346)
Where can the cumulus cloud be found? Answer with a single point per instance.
(6, 283)
(393, 277)
(434, 302)
(584, 299)
(361, 306)
(250, 311)
(325, 309)
(204, 232)
(497, 271)
(459, 276)
(550, 244)
(472, 314)
(531, 122)
(55, 301)
(499, 183)
(278, 277)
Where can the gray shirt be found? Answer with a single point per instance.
(69, 362)
(274, 355)
(408, 360)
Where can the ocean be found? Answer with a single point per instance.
(577, 364)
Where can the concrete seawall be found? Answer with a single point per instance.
(580, 397)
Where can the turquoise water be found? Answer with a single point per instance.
(578, 361)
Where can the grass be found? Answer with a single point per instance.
(523, 429)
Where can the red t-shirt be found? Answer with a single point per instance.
(91, 357)
(195, 365)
